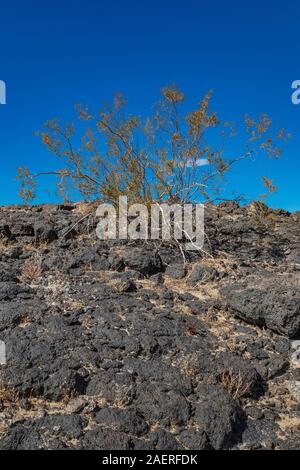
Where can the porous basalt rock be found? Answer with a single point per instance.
(129, 345)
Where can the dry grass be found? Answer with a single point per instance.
(76, 305)
(189, 365)
(32, 269)
(291, 423)
(39, 406)
(5, 242)
(85, 208)
(36, 247)
(7, 395)
(123, 396)
(234, 384)
(24, 320)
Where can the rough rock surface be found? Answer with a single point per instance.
(121, 345)
(268, 303)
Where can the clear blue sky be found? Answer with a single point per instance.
(57, 53)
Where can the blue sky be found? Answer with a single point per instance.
(57, 53)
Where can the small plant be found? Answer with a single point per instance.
(24, 320)
(4, 241)
(32, 269)
(234, 383)
(7, 395)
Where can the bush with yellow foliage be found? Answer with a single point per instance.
(171, 156)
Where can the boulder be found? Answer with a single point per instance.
(273, 306)
(145, 261)
(218, 415)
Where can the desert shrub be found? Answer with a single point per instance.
(171, 156)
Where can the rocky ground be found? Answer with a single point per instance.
(122, 345)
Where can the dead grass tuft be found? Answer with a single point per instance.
(234, 383)
(5, 242)
(85, 208)
(8, 396)
(291, 423)
(32, 269)
(24, 320)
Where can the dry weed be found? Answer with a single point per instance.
(7, 395)
(4, 242)
(234, 383)
(32, 269)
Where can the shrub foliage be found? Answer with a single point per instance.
(173, 155)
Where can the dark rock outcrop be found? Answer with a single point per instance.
(126, 345)
(269, 304)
